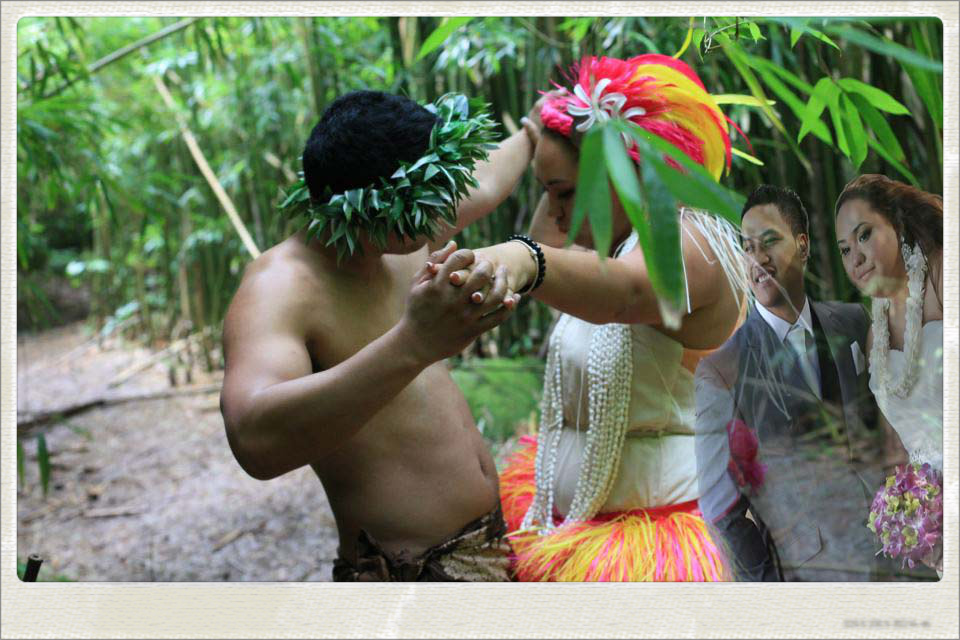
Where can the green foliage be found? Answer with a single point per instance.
(104, 176)
(651, 201)
(501, 392)
(440, 34)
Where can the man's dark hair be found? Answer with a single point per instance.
(361, 137)
(786, 200)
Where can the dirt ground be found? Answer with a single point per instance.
(148, 490)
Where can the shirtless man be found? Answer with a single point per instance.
(339, 364)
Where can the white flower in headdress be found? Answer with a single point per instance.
(600, 108)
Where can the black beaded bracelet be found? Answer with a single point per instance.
(538, 254)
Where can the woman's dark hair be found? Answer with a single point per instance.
(362, 137)
(915, 214)
(569, 143)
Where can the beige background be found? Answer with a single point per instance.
(242, 610)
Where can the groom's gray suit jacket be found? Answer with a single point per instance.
(822, 457)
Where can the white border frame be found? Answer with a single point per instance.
(246, 610)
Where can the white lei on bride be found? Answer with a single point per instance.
(916, 267)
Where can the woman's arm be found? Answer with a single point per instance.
(497, 176)
(614, 290)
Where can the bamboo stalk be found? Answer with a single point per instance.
(207, 172)
(33, 568)
(123, 52)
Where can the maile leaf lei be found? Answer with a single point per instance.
(412, 200)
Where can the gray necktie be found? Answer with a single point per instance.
(803, 348)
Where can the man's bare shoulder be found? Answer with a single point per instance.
(279, 282)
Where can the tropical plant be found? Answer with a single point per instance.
(111, 196)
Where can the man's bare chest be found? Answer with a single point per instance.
(351, 313)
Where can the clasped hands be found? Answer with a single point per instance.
(491, 275)
(459, 294)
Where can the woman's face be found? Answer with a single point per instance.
(870, 249)
(555, 164)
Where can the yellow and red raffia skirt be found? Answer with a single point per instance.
(660, 544)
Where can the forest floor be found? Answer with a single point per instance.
(148, 490)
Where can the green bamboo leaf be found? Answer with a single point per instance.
(877, 97)
(822, 37)
(856, 135)
(43, 461)
(732, 98)
(893, 162)
(884, 47)
(738, 58)
(927, 83)
(796, 105)
(824, 93)
(762, 63)
(795, 36)
(798, 31)
(840, 126)
(662, 251)
(747, 157)
(441, 33)
(652, 210)
(593, 188)
(695, 187)
(878, 124)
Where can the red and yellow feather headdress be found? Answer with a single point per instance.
(656, 92)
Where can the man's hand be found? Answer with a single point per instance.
(441, 319)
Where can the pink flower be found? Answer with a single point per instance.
(743, 463)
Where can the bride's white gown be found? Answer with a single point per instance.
(918, 418)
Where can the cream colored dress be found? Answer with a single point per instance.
(658, 465)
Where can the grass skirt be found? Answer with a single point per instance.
(661, 544)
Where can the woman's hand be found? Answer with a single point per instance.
(520, 265)
(532, 123)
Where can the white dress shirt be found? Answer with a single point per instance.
(800, 337)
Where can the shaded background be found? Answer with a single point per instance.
(127, 258)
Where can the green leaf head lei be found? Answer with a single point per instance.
(411, 201)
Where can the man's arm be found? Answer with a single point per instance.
(280, 416)
(714, 409)
(721, 502)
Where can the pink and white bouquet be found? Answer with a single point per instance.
(907, 514)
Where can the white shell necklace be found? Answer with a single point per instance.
(609, 380)
(880, 352)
